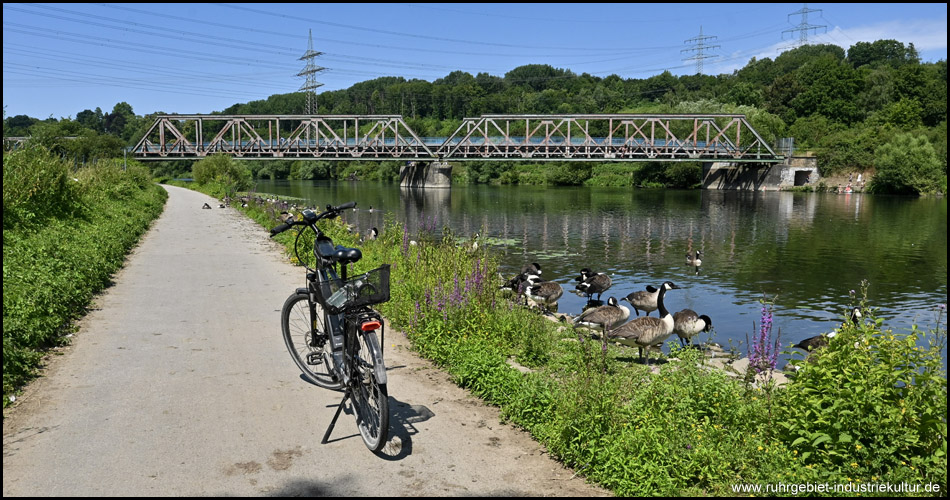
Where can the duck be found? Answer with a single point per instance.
(686, 324)
(647, 331)
(545, 293)
(643, 300)
(604, 317)
(818, 341)
(593, 283)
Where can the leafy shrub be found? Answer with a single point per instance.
(36, 186)
(224, 173)
(907, 164)
(871, 405)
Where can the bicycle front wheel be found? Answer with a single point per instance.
(368, 392)
(307, 338)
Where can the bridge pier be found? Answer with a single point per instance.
(423, 174)
(795, 171)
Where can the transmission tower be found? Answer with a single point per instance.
(309, 71)
(700, 49)
(803, 27)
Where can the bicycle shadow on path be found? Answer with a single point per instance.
(402, 419)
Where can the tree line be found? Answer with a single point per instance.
(838, 105)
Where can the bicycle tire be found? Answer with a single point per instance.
(314, 362)
(369, 394)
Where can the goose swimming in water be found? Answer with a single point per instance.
(646, 331)
(695, 261)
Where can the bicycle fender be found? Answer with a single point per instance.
(379, 366)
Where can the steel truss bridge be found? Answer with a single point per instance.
(607, 137)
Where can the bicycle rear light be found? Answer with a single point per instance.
(370, 325)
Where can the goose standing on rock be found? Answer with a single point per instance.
(686, 324)
(647, 331)
(519, 282)
(545, 293)
(643, 300)
(604, 317)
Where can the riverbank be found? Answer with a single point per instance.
(594, 407)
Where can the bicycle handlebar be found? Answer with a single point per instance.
(331, 212)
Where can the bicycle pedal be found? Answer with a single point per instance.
(315, 358)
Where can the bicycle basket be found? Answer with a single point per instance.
(362, 290)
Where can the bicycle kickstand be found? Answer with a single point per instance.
(326, 436)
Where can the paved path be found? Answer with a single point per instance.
(180, 384)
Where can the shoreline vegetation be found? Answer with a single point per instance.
(677, 428)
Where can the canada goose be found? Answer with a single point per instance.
(594, 283)
(545, 293)
(686, 324)
(533, 268)
(647, 331)
(206, 206)
(371, 235)
(604, 317)
(695, 261)
(818, 341)
(643, 300)
(520, 282)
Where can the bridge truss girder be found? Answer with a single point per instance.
(618, 137)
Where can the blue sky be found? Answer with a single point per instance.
(60, 59)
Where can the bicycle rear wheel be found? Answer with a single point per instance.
(368, 392)
(307, 339)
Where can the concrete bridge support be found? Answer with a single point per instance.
(796, 171)
(420, 174)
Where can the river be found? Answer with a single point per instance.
(803, 252)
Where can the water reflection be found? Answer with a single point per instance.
(805, 251)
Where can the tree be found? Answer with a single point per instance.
(907, 164)
(888, 52)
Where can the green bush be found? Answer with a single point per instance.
(907, 164)
(52, 270)
(870, 405)
(36, 186)
(224, 173)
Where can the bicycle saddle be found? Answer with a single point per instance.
(346, 255)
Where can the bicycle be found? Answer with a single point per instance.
(330, 328)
